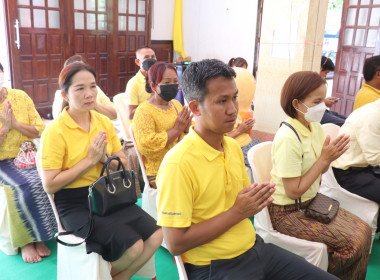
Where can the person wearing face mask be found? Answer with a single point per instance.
(31, 218)
(297, 167)
(160, 122)
(135, 90)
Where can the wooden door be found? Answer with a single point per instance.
(36, 40)
(359, 39)
(106, 33)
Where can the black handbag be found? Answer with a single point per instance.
(111, 192)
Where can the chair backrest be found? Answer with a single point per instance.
(330, 129)
(121, 104)
(142, 166)
(260, 160)
(181, 268)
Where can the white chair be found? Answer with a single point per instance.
(121, 104)
(181, 268)
(259, 157)
(365, 209)
(5, 238)
(73, 262)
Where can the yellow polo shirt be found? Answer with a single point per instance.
(196, 183)
(101, 98)
(291, 158)
(136, 89)
(25, 113)
(150, 126)
(365, 95)
(64, 143)
(363, 126)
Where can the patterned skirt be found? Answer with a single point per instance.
(348, 238)
(30, 215)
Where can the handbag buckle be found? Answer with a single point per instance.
(129, 184)
(108, 188)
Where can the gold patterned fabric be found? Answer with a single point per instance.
(150, 124)
(348, 238)
(26, 113)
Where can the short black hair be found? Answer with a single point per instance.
(197, 74)
(1, 67)
(371, 66)
(327, 64)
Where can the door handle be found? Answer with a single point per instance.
(17, 29)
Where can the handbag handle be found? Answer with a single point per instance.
(106, 167)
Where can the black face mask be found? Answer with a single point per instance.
(147, 63)
(168, 92)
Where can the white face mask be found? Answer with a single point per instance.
(1, 79)
(315, 113)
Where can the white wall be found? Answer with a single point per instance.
(162, 19)
(219, 29)
(4, 53)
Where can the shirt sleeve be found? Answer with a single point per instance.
(368, 135)
(148, 140)
(102, 98)
(287, 157)
(174, 196)
(34, 118)
(132, 92)
(52, 149)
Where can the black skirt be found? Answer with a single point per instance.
(112, 235)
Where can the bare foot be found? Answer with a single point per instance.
(41, 249)
(29, 254)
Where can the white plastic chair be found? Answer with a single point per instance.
(5, 238)
(259, 157)
(121, 104)
(181, 268)
(365, 209)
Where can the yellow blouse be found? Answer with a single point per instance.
(26, 113)
(150, 124)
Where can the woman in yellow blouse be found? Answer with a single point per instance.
(159, 122)
(32, 219)
(74, 148)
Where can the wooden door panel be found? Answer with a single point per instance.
(356, 43)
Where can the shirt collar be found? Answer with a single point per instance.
(68, 120)
(372, 88)
(301, 129)
(205, 149)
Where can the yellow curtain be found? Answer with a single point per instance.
(177, 31)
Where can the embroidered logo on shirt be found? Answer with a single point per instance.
(171, 213)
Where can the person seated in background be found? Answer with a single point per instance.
(354, 169)
(103, 104)
(31, 216)
(246, 84)
(297, 167)
(330, 116)
(160, 122)
(238, 62)
(135, 90)
(73, 150)
(370, 90)
(205, 197)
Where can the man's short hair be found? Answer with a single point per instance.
(327, 64)
(197, 74)
(144, 47)
(371, 66)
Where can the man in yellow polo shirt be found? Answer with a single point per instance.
(205, 197)
(370, 90)
(145, 57)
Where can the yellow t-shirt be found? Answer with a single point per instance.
(136, 90)
(101, 98)
(291, 158)
(244, 138)
(150, 124)
(365, 95)
(64, 143)
(196, 183)
(25, 113)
